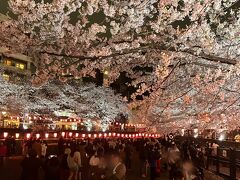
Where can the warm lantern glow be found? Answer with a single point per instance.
(37, 136)
(109, 134)
(89, 135)
(105, 135)
(95, 135)
(55, 135)
(17, 135)
(70, 134)
(63, 134)
(83, 135)
(76, 135)
(46, 135)
(28, 135)
(118, 135)
(5, 134)
(114, 134)
(100, 135)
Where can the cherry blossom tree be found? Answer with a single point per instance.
(192, 46)
(86, 101)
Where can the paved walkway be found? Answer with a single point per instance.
(12, 170)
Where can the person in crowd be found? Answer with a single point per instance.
(8, 143)
(77, 158)
(43, 149)
(94, 163)
(60, 146)
(73, 166)
(3, 153)
(153, 157)
(52, 168)
(30, 166)
(36, 146)
(128, 155)
(102, 167)
(64, 169)
(119, 169)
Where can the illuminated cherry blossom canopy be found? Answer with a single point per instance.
(192, 47)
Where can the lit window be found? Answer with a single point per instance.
(20, 66)
(5, 77)
(8, 62)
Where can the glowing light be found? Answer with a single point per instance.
(118, 135)
(105, 134)
(76, 135)
(46, 135)
(37, 136)
(17, 135)
(83, 135)
(221, 137)
(114, 134)
(130, 135)
(28, 135)
(4, 113)
(182, 132)
(136, 135)
(89, 135)
(63, 134)
(122, 135)
(100, 135)
(5, 134)
(106, 72)
(126, 135)
(70, 134)
(109, 134)
(55, 135)
(95, 135)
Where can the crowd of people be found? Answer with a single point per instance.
(112, 158)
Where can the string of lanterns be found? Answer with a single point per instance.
(84, 135)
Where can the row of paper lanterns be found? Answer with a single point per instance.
(82, 135)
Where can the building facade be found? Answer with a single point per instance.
(16, 67)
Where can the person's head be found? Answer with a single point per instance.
(115, 158)
(187, 165)
(67, 151)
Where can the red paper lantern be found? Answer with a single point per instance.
(55, 135)
(5, 134)
(46, 135)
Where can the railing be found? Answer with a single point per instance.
(223, 161)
